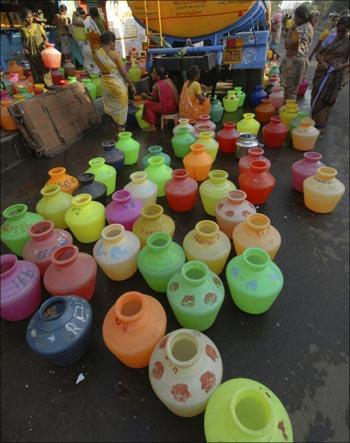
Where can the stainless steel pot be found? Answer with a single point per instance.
(245, 142)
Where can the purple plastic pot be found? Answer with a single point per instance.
(20, 288)
(124, 209)
(305, 168)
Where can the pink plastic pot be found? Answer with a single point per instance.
(253, 154)
(20, 288)
(45, 239)
(305, 168)
(124, 209)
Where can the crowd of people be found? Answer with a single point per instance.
(332, 56)
(76, 37)
(98, 54)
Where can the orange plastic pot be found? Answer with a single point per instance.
(59, 177)
(132, 328)
(198, 162)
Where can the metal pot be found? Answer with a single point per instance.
(245, 142)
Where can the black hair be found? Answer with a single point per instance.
(62, 8)
(80, 10)
(303, 12)
(107, 37)
(160, 71)
(193, 72)
(25, 12)
(94, 12)
(344, 21)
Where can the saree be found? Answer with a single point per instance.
(114, 89)
(190, 107)
(327, 83)
(166, 93)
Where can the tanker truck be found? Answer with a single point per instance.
(227, 40)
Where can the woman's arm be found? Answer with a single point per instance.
(320, 59)
(154, 96)
(115, 57)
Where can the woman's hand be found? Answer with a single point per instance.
(133, 90)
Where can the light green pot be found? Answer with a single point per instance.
(159, 260)
(255, 281)
(129, 146)
(158, 172)
(105, 174)
(195, 295)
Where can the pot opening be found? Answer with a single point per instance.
(81, 199)
(97, 161)
(138, 176)
(156, 160)
(87, 177)
(204, 117)
(195, 274)
(218, 175)
(41, 228)
(180, 173)
(237, 196)
(121, 196)
(159, 239)
(184, 349)
(312, 156)
(155, 149)
(152, 210)
(207, 228)
(258, 220)
(113, 231)
(205, 134)
(255, 152)
(54, 309)
(57, 171)
(253, 411)
(248, 115)
(50, 190)
(131, 308)
(229, 125)
(125, 134)
(64, 253)
(197, 148)
(8, 261)
(327, 172)
(15, 210)
(256, 257)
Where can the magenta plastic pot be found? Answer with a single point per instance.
(305, 168)
(124, 209)
(20, 288)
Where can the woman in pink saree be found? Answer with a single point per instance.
(163, 100)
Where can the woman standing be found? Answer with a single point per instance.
(62, 21)
(33, 40)
(114, 81)
(333, 66)
(297, 42)
(276, 27)
(164, 98)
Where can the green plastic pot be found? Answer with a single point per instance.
(155, 150)
(90, 87)
(158, 172)
(296, 121)
(182, 141)
(129, 146)
(105, 174)
(244, 410)
(240, 95)
(95, 80)
(14, 230)
(159, 260)
(255, 281)
(230, 101)
(216, 110)
(195, 295)
(135, 73)
(140, 121)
